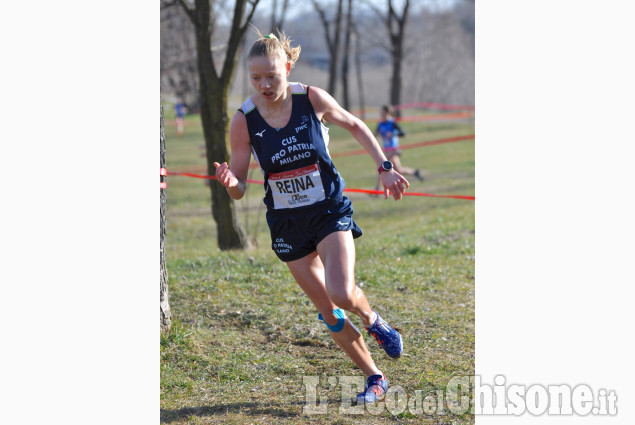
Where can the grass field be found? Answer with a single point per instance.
(245, 339)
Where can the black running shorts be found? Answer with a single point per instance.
(296, 233)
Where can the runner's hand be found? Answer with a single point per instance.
(225, 176)
(394, 183)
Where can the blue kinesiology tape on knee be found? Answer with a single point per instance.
(341, 318)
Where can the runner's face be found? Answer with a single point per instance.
(269, 76)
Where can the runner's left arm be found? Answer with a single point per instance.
(327, 107)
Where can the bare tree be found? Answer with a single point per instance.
(441, 55)
(179, 74)
(214, 89)
(358, 71)
(345, 56)
(166, 315)
(332, 40)
(395, 25)
(278, 15)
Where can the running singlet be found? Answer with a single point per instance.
(294, 160)
(180, 110)
(384, 127)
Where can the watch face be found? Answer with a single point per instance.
(386, 165)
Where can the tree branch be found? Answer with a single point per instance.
(253, 4)
(236, 34)
(375, 9)
(283, 13)
(189, 12)
(404, 17)
(167, 4)
(325, 23)
(250, 16)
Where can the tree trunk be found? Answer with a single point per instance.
(395, 82)
(274, 9)
(347, 43)
(214, 92)
(396, 41)
(230, 233)
(358, 69)
(335, 49)
(166, 315)
(333, 44)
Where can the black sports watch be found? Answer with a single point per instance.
(385, 166)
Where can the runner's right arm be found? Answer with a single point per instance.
(234, 177)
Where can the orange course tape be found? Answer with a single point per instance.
(372, 192)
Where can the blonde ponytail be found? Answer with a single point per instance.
(272, 46)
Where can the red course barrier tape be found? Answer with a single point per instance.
(163, 172)
(411, 145)
(372, 192)
(452, 116)
(432, 105)
(401, 146)
(200, 176)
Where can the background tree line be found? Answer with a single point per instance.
(349, 54)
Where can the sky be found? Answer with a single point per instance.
(298, 7)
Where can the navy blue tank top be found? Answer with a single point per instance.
(294, 160)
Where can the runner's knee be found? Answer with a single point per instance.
(341, 319)
(343, 298)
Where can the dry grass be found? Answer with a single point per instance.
(245, 336)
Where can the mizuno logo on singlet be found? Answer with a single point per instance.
(260, 134)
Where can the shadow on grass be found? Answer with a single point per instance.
(248, 408)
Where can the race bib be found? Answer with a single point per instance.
(296, 188)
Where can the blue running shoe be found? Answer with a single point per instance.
(388, 337)
(375, 390)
